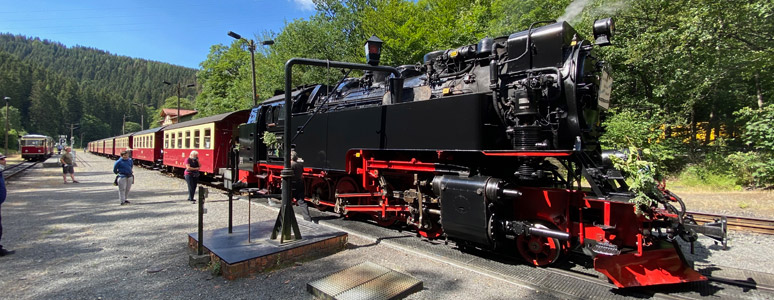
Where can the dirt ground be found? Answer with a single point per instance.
(740, 203)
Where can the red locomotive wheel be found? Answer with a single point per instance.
(539, 251)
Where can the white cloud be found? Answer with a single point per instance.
(305, 4)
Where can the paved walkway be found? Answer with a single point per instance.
(74, 241)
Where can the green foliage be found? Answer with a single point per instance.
(215, 268)
(629, 128)
(270, 140)
(642, 179)
(131, 127)
(695, 60)
(758, 135)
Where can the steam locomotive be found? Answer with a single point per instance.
(485, 145)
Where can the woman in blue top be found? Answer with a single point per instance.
(192, 174)
(123, 169)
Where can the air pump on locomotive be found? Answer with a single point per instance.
(485, 145)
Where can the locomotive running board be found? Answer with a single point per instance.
(653, 267)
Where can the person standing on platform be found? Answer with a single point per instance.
(123, 169)
(298, 185)
(3, 193)
(192, 174)
(67, 165)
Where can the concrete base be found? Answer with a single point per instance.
(239, 258)
(198, 261)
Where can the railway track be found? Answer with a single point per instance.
(749, 224)
(13, 170)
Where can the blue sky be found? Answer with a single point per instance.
(171, 31)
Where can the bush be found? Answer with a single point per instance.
(641, 130)
(757, 165)
(752, 168)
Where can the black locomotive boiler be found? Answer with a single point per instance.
(486, 145)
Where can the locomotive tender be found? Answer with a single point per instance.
(486, 145)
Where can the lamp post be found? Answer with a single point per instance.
(251, 47)
(178, 96)
(7, 99)
(142, 114)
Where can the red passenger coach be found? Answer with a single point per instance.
(36, 147)
(212, 137)
(122, 142)
(147, 146)
(110, 147)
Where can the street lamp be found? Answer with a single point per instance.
(251, 47)
(142, 114)
(178, 96)
(7, 99)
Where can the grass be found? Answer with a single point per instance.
(700, 180)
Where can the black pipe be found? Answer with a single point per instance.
(199, 249)
(286, 220)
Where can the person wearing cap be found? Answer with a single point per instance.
(297, 186)
(123, 169)
(67, 165)
(3, 252)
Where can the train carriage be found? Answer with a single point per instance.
(147, 146)
(212, 137)
(109, 147)
(122, 142)
(36, 147)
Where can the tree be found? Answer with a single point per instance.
(45, 111)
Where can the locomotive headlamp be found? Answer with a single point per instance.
(603, 31)
(373, 49)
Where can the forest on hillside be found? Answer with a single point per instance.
(53, 87)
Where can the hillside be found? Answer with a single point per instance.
(52, 85)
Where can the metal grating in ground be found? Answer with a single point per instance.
(364, 281)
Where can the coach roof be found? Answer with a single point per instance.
(205, 120)
(152, 130)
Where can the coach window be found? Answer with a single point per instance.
(188, 139)
(172, 141)
(166, 140)
(196, 138)
(180, 140)
(207, 138)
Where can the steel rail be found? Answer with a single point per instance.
(740, 223)
(13, 170)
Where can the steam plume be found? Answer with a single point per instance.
(573, 10)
